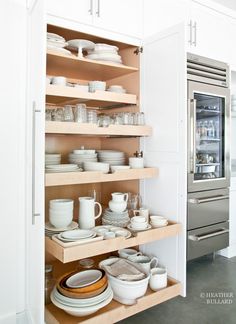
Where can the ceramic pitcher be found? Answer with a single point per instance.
(87, 212)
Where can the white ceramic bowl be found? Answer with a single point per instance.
(60, 219)
(138, 219)
(139, 226)
(96, 166)
(126, 292)
(61, 204)
(84, 278)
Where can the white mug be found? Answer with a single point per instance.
(142, 212)
(144, 263)
(136, 162)
(158, 278)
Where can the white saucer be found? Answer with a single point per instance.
(50, 227)
(140, 230)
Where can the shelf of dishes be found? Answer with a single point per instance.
(99, 247)
(71, 178)
(56, 94)
(54, 127)
(86, 69)
(116, 311)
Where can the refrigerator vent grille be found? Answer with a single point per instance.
(207, 71)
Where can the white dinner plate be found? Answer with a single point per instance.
(84, 278)
(77, 234)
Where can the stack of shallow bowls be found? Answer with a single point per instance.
(105, 52)
(158, 221)
(52, 158)
(82, 293)
(116, 219)
(96, 166)
(81, 156)
(61, 212)
(111, 157)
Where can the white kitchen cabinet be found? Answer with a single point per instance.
(122, 17)
(81, 11)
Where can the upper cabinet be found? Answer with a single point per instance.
(80, 11)
(123, 17)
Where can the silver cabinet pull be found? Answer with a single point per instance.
(195, 34)
(197, 238)
(91, 8)
(98, 9)
(206, 200)
(34, 214)
(190, 33)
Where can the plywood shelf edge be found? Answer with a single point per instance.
(101, 247)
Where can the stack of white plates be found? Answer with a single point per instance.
(76, 235)
(50, 230)
(57, 43)
(105, 52)
(79, 158)
(62, 168)
(111, 157)
(52, 159)
(116, 219)
(82, 307)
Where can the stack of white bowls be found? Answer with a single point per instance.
(57, 43)
(111, 157)
(82, 306)
(116, 88)
(61, 212)
(96, 166)
(81, 156)
(158, 221)
(120, 219)
(138, 223)
(52, 159)
(233, 102)
(105, 52)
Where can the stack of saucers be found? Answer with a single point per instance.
(82, 293)
(116, 219)
(57, 43)
(62, 168)
(81, 156)
(111, 157)
(138, 224)
(52, 159)
(105, 52)
(51, 230)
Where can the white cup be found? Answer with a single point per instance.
(59, 80)
(138, 219)
(61, 204)
(60, 219)
(125, 253)
(136, 162)
(158, 278)
(142, 212)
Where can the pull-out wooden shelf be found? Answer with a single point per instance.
(73, 253)
(72, 178)
(53, 127)
(115, 311)
(81, 68)
(61, 95)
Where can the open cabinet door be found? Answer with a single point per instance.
(35, 160)
(164, 89)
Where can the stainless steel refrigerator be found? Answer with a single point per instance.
(208, 156)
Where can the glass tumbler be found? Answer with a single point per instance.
(68, 113)
(92, 117)
(80, 113)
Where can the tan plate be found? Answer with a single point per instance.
(90, 294)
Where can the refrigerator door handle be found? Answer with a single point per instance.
(192, 116)
(198, 238)
(206, 200)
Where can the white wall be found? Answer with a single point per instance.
(12, 89)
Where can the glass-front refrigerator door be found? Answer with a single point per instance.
(208, 137)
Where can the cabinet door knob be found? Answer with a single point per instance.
(195, 34)
(190, 25)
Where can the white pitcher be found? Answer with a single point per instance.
(87, 212)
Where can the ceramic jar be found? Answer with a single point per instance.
(118, 204)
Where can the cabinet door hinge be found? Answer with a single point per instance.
(138, 50)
